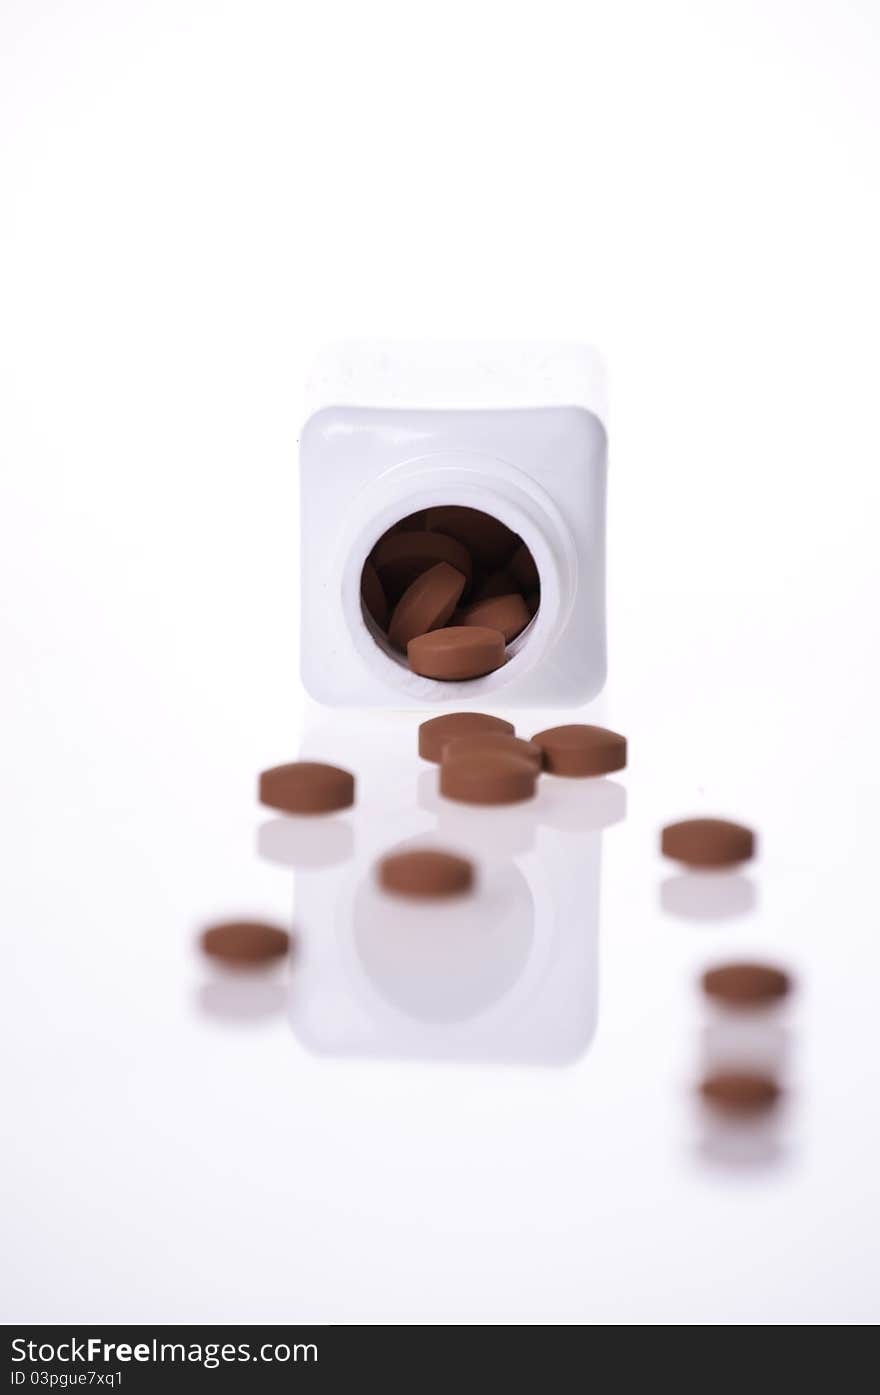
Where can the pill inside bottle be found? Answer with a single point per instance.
(449, 568)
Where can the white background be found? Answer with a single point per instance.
(196, 197)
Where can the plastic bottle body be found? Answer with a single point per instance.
(541, 471)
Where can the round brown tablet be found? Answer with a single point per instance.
(477, 743)
(307, 787)
(456, 653)
(373, 596)
(509, 614)
(533, 600)
(423, 872)
(489, 777)
(489, 541)
(746, 985)
(245, 942)
(426, 605)
(434, 734)
(522, 565)
(581, 750)
(739, 1092)
(501, 583)
(400, 557)
(707, 842)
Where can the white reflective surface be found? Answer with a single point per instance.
(501, 1130)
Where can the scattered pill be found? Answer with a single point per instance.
(426, 873)
(707, 842)
(373, 595)
(437, 731)
(581, 750)
(457, 652)
(400, 557)
(307, 787)
(740, 1093)
(426, 604)
(245, 942)
(746, 985)
(490, 777)
(477, 743)
(509, 614)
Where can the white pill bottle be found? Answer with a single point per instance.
(515, 431)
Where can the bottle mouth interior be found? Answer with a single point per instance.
(449, 568)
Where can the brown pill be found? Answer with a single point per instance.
(426, 873)
(746, 985)
(501, 583)
(373, 595)
(489, 541)
(707, 842)
(509, 614)
(458, 652)
(522, 565)
(533, 601)
(437, 731)
(400, 557)
(245, 942)
(426, 605)
(478, 743)
(307, 787)
(581, 750)
(488, 777)
(740, 1093)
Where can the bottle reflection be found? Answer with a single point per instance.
(507, 973)
(443, 962)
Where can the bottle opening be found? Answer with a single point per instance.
(447, 591)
